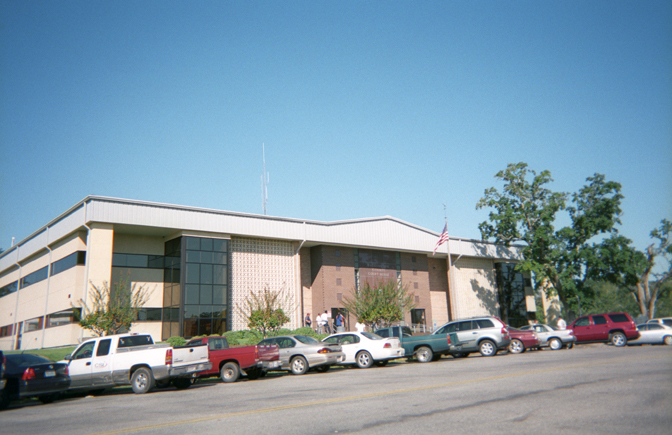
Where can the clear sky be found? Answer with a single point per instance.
(365, 108)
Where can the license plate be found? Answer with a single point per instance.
(49, 373)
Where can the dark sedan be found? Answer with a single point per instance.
(29, 375)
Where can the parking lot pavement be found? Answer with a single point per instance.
(589, 389)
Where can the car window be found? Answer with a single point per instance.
(86, 351)
(348, 339)
(103, 347)
(332, 340)
(599, 320)
(306, 339)
(451, 327)
(539, 328)
(371, 336)
(654, 326)
(267, 342)
(195, 342)
(667, 322)
(215, 344)
(485, 323)
(582, 321)
(618, 318)
(286, 342)
(383, 333)
(464, 326)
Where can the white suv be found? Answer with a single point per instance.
(486, 335)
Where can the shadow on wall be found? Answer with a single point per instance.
(488, 297)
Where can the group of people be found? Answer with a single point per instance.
(322, 323)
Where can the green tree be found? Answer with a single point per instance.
(112, 311)
(625, 266)
(383, 304)
(264, 312)
(526, 211)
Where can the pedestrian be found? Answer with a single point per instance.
(308, 321)
(339, 323)
(360, 326)
(325, 319)
(561, 323)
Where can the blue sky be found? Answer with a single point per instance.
(365, 108)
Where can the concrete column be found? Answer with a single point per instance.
(99, 254)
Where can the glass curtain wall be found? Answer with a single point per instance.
(205, 286)
(171, 289)
(511, 287)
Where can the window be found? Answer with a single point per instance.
(383, 333)
(485, 323)
(135, 340)
(149, 314)
(418, 316)
(599, 320)
(6, 331)
(34, 324)
(464, 326)
(582, 321)
(85, 351)
(35, 277)
(618, 318)
(65, 317)
(75, 259)
(142, 261)
(9, 288)
(653, 327)
(104, 347)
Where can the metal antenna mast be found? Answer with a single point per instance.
(264, 181)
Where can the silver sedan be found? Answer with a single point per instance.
(652, 333)
(551, 337)
(298, 353)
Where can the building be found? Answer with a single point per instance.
(200, 265)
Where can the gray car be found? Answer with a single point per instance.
(652, 333)
(486, 335)
(299, 353)
(551, 337)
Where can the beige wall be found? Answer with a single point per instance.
(476, 288)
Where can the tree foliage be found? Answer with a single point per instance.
(112, 311)
(382, 305)
(526, 211)
(264, 311)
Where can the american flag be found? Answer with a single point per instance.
(443, 238)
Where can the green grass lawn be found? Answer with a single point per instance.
(54, 354)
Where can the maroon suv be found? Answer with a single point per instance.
(616, 328)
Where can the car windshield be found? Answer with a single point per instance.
(305, 339)
(371, 336)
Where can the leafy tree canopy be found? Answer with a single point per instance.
(382, 305)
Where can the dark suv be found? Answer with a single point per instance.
(614, 328)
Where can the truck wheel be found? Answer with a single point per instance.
(364, 360)
(298, 365)
(182, 383)
(142, 381)
(230, 372)
(424, 354)
(516, 346)
(618, 339)
(555, 344)
(487, 348)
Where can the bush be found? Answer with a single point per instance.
(176, 341)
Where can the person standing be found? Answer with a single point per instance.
(308, 321)
(360, 326)
(339, 323)
(325, 321)
(561, 323)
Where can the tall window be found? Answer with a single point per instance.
(205, 286)
(511, 286)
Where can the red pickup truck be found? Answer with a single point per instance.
(228, 362)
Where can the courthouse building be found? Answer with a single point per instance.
(200, 265)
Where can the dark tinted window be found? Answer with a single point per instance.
(667, 322)
(195, 342)
(25, 359)
(485, 323)
(103, 347)
(135, 340)
(464, 326)
(72, 260)
(599, 320)
(582, 321)
(383, 333)
(618, 318)
(9, 288)
(653, 326)
(35, 277)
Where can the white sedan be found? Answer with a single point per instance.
(652, 333)
(365, 348)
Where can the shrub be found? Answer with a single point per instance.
(176, 341)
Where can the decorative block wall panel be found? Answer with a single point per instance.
(260, 263)
(476, 288)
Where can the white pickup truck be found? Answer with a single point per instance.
(105, 362)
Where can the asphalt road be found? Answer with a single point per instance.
(591, 389)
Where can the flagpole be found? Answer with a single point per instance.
(451, 287)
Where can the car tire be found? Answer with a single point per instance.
(364, 360)
(516, 346)
(298, 365)
(618, 339)
(142, 381)
(667, 340)
(48, 398)
(381, 363)
(461, 355)
(424, 354)
(322, 369)
(182, 383)
(487, 348)
(230, 372)
(555, 344)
